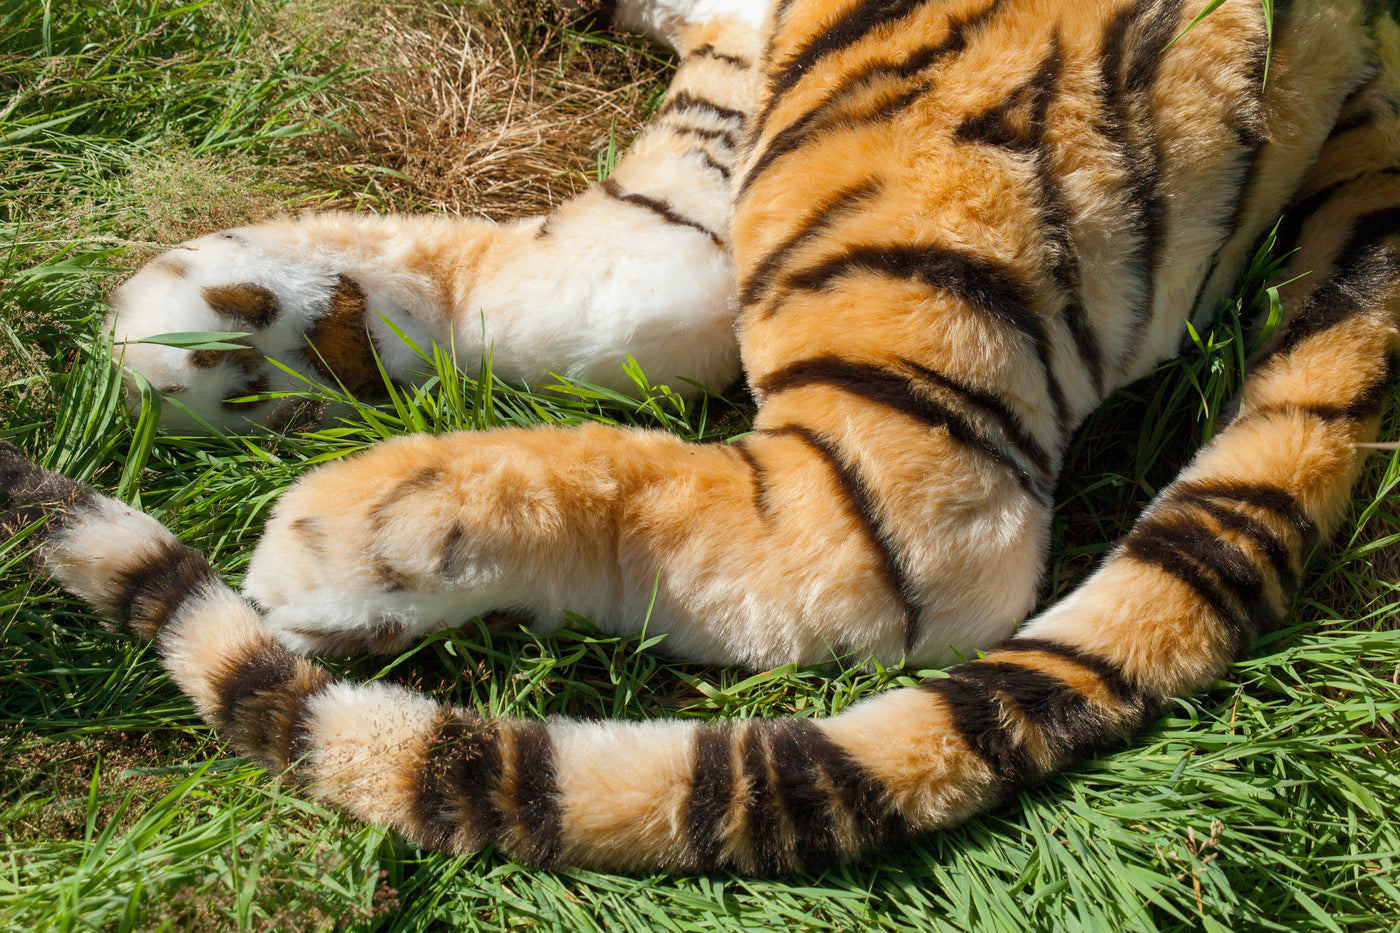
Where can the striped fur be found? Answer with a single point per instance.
(959, 226)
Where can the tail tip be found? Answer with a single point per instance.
(28, 492)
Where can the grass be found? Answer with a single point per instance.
(1265, 804)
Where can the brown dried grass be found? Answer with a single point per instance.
(495, 110)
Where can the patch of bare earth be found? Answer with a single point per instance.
(62, 773)
(210, 908)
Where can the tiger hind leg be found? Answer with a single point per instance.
(637, 265)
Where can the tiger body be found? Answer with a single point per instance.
(957, 228)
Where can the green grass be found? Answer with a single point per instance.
(1265, 804)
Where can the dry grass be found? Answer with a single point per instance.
(494, 112)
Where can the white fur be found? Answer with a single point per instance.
(364, 740)
(658, 18)
(93, 547)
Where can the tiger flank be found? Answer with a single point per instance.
(957, 227)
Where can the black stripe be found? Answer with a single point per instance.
(800, 792)
(1018, 122)
(1356, 121)
(1054, 210)
(995, 127)
(296, 738)
(1365, 406)
(1133, 48)
(1071, 727)
(866, 800)
(980, 720)
(1214, 569)
(1249, 123)
(245, 688)
(310, 533)
(830, 118)
(1234, 568)
(684, 100)
(984, 697)
(1360, 115)
(817, 782)
(149, 593)
(1108, 673)
(709, 160)
(1290, 227)
(826, 213)
(536, 798)
(1258, 495)
(760, 477)
(454, 552)
(997, 407)
(767, 842)
(862, 507)
(830, 112)
(850, 29)
(1369, 403)
(459, 777)
(1256, 531)
(708, 51)
(1364, 270)
(1164, 557)
(985, 284)
(389, 578)
(29, 493)
(659, 208)
(270, 721)
(711, 794)
(799, 783)
(888, 388)
(703, 132)
(420, 479)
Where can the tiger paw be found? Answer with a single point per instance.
(314, 309)
(422, 533)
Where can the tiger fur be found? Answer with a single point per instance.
(989, 214)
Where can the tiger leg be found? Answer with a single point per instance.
(637, 265)
(791, 561)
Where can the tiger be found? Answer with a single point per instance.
(956, 228)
